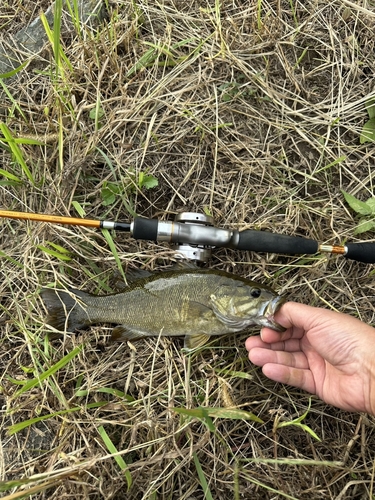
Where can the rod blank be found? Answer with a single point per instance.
(195, 234)
(53, 219)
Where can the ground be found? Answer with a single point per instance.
(249, 111)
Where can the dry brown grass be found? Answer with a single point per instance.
(257, 154)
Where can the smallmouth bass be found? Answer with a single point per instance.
(195, 303)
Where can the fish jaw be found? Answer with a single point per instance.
(267, 319)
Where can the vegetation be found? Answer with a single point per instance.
(258, 113)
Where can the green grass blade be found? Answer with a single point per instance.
(10, 176)
(51, 371)
(54, 40)
(79, 209)
(57, 32)
(105, 390)
(13, 429)
(232, 413)
(9, 74)
(148, 57)
(17, 153)
(202, 479)
(112, 246)
(14, 102)
(61, 256)
(74, 13)
(119, 459)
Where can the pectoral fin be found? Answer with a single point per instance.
(195, 340)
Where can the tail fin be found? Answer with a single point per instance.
(66, 310)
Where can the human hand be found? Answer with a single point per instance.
(323, 352)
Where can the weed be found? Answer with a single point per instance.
(364, 208)
(368, 129)
(298, 423)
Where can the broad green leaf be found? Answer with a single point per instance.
(12, 99)
(233, 414)
(96, 113)
(57, 247)
(368, 132)
(109, 192)
(108, 197)
(370, 106)
(371, 203)
(297, 422)
(358, 206)
(147, 181)
(207, 211)
(16, 381)
(10, 259)
(364, 226)
(200, 412)
(24, 140)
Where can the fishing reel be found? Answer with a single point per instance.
(199, 253)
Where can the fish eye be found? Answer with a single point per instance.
(255, 292)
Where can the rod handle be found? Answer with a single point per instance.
(263, 241)
(361, 252)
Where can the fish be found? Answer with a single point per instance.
(195, 303)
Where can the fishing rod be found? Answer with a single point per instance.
(193, 235)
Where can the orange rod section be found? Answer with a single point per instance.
(332, 249)
(339, 250)
(54, 219)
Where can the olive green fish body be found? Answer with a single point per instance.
(195, 303)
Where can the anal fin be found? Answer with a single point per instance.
(196, 340)
(121, 334)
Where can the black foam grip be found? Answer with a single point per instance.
(262, 241)
(145, 229)
(362, 252)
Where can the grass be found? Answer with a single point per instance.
(250, 111)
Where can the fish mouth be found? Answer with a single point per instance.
(270, 310)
